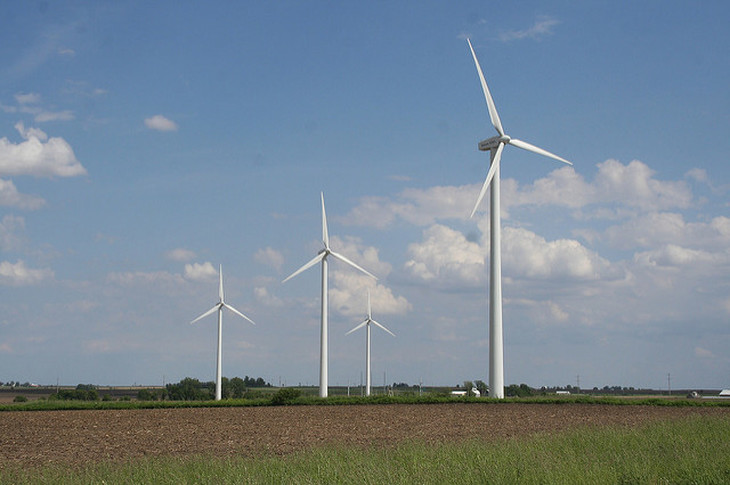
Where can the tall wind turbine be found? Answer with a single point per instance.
(369, 320)
(322, 256)
(219, 307)
(495, 145)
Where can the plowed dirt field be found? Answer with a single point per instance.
(81, 437)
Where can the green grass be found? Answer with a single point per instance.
(691, 450)
(57, 405)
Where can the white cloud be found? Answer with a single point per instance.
(349, 286)
(348, 295)
(703, 353)
(672, 255)
(446, 257)
(45, 116)
(200, 272)
(617, 191)
(543, 26)
(662, 228)
(11, 230)
(160, 123)
(632, 186)
(181, 255)
(270, 257)
(38, 156)
(10, 197)
(697, 174)
(18, 274)
(265, 298)
(541, 312)
(416, 206)
(27, 98)
(525, 254)
(134, 278)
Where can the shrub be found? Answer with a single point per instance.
(285, 396)
(146, 395)
(20, 399)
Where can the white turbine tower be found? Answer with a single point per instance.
(495, 145)
(219, 307)
(369, 320)
(322, 256)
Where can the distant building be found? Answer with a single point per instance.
(725, 392)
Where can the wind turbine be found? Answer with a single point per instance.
(322, 256)
(495, 145)
(219, 307)
(369, 320)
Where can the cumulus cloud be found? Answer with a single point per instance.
(269, 257)
(672, 255)
(616, 190)
(160, 123)
(181, 255)
(135, 278)
(420, 207)
(703, 353)
(11, 232)
(38, 155)
(349, 286)
(200, 272)
(10, 197)
(542, 27)
(348, 295)
(631, 185)
(27, 98)
(446, 256)
(662, 228)
(525, 254)
(45, 116)
(265, 298)
(18, 274)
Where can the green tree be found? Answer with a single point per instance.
(284, 396)
(146, 395)
(190, 389)
(482, 387)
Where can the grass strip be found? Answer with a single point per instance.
(690, 450)
(59, 405)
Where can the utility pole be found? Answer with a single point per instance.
(669, 383)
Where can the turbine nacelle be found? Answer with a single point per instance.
(492, 143)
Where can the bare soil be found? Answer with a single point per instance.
(83, 437)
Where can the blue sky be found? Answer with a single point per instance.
(142, 145)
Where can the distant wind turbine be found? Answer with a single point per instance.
(369, 320)
(219, 307)
(495, 145)
(322, 256)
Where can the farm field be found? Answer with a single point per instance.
(80, 438)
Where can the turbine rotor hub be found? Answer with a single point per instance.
(493, 143)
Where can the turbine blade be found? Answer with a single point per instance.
(238, 313)
(358, 327)
(493, 115)
(370, 313)
(345, 260)
(325, 233)
(311, 263)
(212, 310)
(220, 282)
(532, 148)
(379, 325)
(490, 176)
